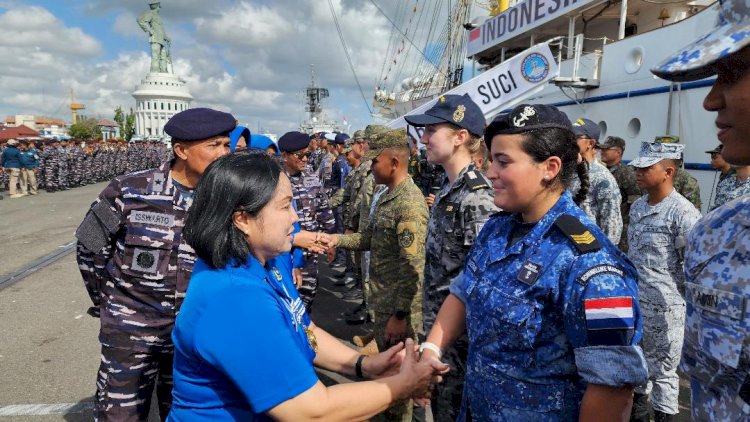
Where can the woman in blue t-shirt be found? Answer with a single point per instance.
(244, 346)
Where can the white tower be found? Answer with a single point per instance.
(159, 97)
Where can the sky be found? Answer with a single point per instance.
(248, 57)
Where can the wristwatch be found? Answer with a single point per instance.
(400, 315)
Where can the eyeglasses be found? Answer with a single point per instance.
(301, 155)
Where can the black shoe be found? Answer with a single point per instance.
(359, 318)
(354, 294)
(663, 417)
(355, 310)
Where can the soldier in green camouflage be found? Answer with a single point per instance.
(396, 238)
(361, 215)
(414, 169)
(348, 198)
(684, 183)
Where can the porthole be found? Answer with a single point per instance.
(634, 127)
(634, 60)
(603, 128)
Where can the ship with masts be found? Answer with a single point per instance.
(603, 50)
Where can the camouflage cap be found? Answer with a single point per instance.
(348, 144)
(374, 130)
(653, 152)
(384, 140)
(731, 34)
(359, 136)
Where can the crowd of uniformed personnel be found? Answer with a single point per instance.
(557, 285)
(64, 164)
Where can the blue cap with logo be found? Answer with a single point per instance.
(294, 141)
(195, 124)
(587, 128)
(340, 138)
(653, 152)
(730, 34)
(525, 118)
(459, 110)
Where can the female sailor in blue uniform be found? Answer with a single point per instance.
(244, 346)
(550, 305)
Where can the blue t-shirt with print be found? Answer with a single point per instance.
(240, 343)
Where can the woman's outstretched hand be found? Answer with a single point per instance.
(419, 374)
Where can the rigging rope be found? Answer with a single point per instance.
(396, 27)
(348, 57)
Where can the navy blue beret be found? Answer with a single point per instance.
(195, 124)
(293, 141)
(525, 118)
(459, 110)
(340, 139)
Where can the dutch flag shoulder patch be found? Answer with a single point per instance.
(610, 321)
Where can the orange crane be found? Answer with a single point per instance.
(74, 107)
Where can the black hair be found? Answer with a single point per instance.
(235, 182)
(544, 143)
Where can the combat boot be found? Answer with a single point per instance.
(640, 412)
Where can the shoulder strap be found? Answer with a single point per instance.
(475, 181)
(574, 230)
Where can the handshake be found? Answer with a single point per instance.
(316, 242)
(415, 369)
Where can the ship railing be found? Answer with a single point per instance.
(586, 64)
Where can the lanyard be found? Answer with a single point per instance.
(295, 309)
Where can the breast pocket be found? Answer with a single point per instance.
(146, 257)
(513, 324)
(655, 248)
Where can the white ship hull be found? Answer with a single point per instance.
(633, 104)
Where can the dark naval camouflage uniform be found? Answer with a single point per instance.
(315, 215)
(351, 200)
(629, 193)
(456, 218)
(136, 268)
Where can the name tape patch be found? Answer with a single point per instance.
(599, 269)
(155, 218)
(529, 273)
(718, 301)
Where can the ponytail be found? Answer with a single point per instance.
(583, 175)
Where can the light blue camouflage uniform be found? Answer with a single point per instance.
(657, 236)
(602, 203)
(545, 316)
(716, 354)
(730, 188)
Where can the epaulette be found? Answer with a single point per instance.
(574, 230)
(475, 181)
